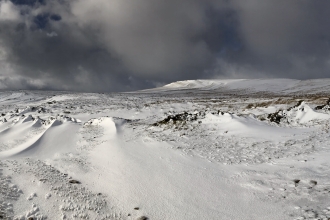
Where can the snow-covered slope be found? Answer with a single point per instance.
(213, 150)
(281, 86)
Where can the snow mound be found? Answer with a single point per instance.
(107, 123)
(42, 137)
(300, 114)
(242, 125)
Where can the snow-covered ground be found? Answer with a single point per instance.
(221, 149)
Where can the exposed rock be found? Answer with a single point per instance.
(74, 182)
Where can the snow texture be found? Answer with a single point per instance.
(203, 149)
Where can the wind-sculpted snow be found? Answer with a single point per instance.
(220, 149)
(299, 115)
(231, 139)
(22, 134)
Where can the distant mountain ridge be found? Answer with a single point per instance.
(249, 86)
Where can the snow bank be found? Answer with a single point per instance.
(106, 123)
(41, 138)
(300, 114)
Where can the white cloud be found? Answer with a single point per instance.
(8, 11)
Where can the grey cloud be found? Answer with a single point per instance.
(285, 38)
(149, 36)
(121, 45)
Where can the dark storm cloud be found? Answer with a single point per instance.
(120, 45)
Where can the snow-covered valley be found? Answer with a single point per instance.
(205, 149)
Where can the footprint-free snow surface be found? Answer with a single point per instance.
(221, 149)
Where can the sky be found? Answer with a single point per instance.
(126, 45)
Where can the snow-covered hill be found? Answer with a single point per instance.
(205, 149)
(241, 86)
